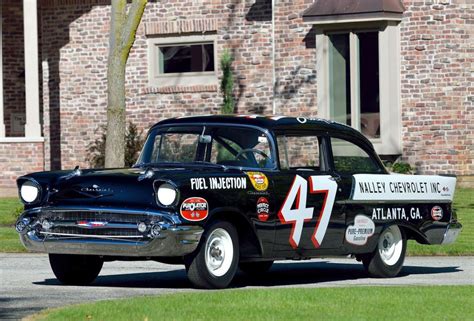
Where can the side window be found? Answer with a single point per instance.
(241, 147)
(351, 159)
(298, 152)
(221, 150)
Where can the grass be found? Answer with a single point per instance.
(354, 303)
(9, 208)
(463, 203)
(9, 241)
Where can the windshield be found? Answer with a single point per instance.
(223, 145)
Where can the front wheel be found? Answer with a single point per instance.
(214, 264)
(387, 259)
(75, 269)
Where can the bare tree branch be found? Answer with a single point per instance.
(132, 21)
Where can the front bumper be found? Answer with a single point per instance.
(174, 239)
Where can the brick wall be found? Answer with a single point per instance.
(437, 86)
(17, 159)
(13, 62)
(436, 74)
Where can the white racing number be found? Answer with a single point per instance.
(300, 214)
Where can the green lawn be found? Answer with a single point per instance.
(352, 303)
(463, 203)
(9, 241)
(9, 207)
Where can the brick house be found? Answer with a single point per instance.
(402, 72)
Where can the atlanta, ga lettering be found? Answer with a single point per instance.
(202, 183)
(396, 213)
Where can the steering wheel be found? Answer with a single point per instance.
(250, 150)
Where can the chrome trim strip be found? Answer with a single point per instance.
(94, 236)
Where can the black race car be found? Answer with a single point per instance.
(220, 192)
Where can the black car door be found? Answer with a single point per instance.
(305, 194)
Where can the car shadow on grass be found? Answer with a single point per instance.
(301, 273)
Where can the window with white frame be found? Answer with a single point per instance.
(187, 60)
(359, 80)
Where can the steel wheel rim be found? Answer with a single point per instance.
(390, 245)
(219, 252)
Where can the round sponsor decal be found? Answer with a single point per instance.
(263, 209)
(194, 209)
(259, 180)
(437, 213)
(359, 233)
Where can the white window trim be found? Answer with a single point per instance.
(390, 141)
(156, 79)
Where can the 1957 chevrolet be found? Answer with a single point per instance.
(220, 192)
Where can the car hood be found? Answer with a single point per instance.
(124, 187)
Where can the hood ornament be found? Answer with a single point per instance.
(75, 172)
(147, 173)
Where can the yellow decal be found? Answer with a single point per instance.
(259, 180)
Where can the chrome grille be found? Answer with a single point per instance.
(65, 223)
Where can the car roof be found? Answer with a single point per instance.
(272, 122)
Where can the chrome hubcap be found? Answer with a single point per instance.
(219, 252)
(390, 245)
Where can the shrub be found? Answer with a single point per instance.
(227, 83)
(400, 168)
(133, 144)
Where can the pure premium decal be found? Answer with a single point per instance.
(359, 233)
(402, 187)
(263, 209)
(259, 181)
(194, 209)
(396, 213)
(298, 194)
(203, 183)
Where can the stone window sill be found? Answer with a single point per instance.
(21, 139)
(180, 89)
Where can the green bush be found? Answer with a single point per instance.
(227, 83)
(400, 168)
(134, 141)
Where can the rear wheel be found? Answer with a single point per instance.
(214, 264)
(75, 269)
(255, 268)
(387, 259)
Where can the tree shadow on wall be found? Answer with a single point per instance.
(55, 34)
(261, 10)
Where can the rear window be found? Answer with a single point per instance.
(352, 159)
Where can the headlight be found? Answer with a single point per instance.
(166, 195)
(30, 192)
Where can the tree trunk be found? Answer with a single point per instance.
(123, 28)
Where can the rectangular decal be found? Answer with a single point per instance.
(203, 183)
(377, 187)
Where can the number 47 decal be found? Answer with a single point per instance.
(298, 192)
